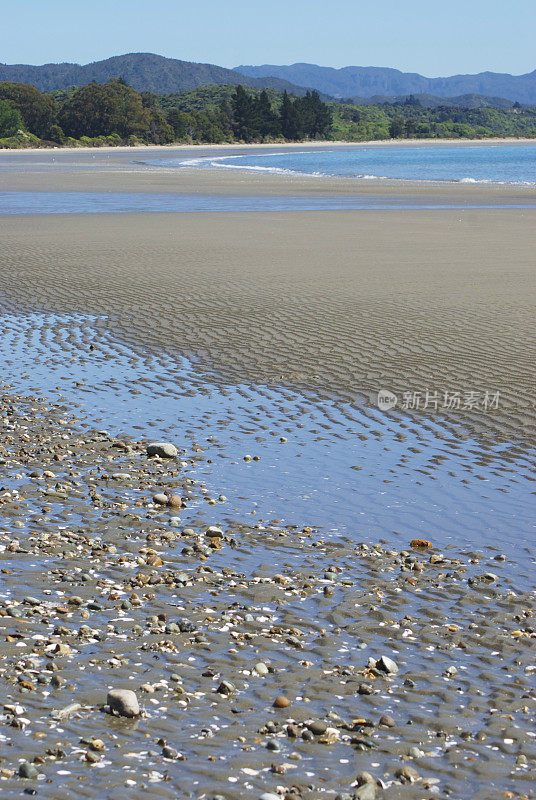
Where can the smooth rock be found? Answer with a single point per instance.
(27, 770)
(160, 499)
(162, 449)
(407, 774)
(123, 702)
(386, 664)
(281, 701)
(368, 791)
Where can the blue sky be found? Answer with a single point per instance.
(433, 37)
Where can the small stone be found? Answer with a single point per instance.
(123, 702)
(162, 449)
(248, 458)
(366, 792)
(415, 752)
(420, 544)
(387, 721)
(27, 770)
(273, 744)
(214, 532)
(160, 499)
(386, 664)
(317, 726)
(407, 774)
(281, 701)
(261, 668)
(175, 501)
(365, 777)
(97, 745)
(226, 687)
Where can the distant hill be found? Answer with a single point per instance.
(433, 101)
(146, 72)
(366, 82)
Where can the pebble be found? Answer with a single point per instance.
(27, 770)
(281, 701)
(368, 791)
(386, 664)
(162, 449)
(407, 774)
(387, 721)
(123, 702)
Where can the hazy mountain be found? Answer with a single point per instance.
(143, 71)
(433, 101)
(371, 81)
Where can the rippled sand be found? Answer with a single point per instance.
(346, 303)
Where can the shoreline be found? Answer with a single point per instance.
(277, 145)
(118, 170)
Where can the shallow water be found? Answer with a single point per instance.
(351, 470)
(498, 163)
(141, 202)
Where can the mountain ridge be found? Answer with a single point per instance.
(143, 71)
(354, 81)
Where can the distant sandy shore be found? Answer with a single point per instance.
(326, 143)
(123, 170)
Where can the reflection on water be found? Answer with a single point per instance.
(141, 202)
(350, 470)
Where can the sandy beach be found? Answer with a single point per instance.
(293, 594)
(347, 303)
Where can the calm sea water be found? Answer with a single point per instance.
(460, 163)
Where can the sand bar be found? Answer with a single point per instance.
(345, 303)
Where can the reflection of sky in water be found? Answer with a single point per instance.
(350, 470)
(147, 202)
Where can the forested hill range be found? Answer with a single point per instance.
(145, 72)
(367, 82)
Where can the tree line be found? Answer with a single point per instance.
(115, 113)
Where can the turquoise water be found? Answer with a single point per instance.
(460, 163)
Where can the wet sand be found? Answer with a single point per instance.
(108, 584)
(345, 303)
(262, 658)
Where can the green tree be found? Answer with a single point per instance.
(180, 122)
(244, 115)
(396, 128)
(266, 119)
(289, 119)
(160, 131)
(38, 110)
(10, 120)
(104, 109)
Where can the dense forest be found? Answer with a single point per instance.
(114, 113)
